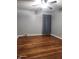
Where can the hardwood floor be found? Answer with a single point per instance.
(39, 47)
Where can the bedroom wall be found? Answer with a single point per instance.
(28, 22)
(56, 26)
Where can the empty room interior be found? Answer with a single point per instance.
(39, 29)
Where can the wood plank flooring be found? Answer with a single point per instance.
(39, 47)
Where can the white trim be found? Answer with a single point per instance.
(19, 36)
(56, 36)
(33, 34)
(28, 35)
(37, 35)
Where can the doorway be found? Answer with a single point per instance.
(46, 24)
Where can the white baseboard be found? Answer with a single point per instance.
(33, 34)
(19, 36)
(56, 36)
(37, 35)
(28, 35)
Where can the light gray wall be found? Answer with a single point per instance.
(28, 22)
(56, 26)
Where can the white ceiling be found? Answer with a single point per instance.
(27, 4)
